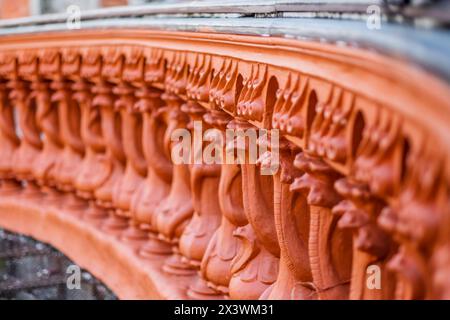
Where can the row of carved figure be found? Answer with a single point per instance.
(90, 129)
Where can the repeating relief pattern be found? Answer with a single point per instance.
(357, 210)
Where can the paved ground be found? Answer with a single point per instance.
(34, 270)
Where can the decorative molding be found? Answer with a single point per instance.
(86, 119)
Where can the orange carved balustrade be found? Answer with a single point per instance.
(362, 187)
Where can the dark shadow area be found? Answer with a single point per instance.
(32, 270)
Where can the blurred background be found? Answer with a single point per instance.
(23, 8)
(31, 270)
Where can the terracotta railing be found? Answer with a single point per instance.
(362, 191)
